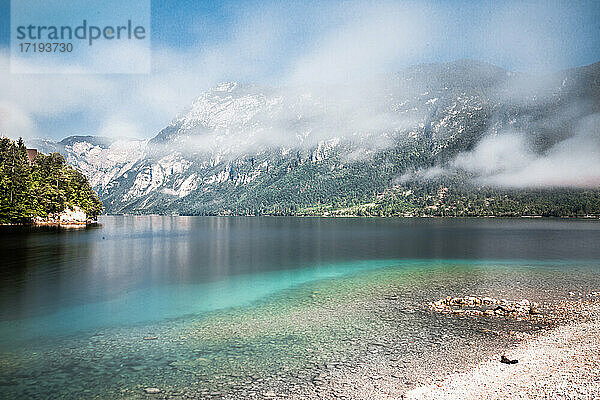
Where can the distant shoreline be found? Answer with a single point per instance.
(74, 224)
(583, 217)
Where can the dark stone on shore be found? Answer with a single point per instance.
(506, 360)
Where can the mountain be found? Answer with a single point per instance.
(101, 159)
(343, 149)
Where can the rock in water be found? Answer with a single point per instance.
(484, 306)
(506, 360)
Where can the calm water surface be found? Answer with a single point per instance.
(61, 289)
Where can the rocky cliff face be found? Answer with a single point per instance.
(242, 149)
(72, 215)
(101, 159)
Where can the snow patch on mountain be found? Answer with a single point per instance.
(153, 177)
(103, 164)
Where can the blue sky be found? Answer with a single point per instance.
(188, 24)
(196, 44)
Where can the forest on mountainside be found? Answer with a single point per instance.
(47, 185)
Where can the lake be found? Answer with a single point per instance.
(218, 306)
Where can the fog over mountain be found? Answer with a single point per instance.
(550, 135)
(240, 148)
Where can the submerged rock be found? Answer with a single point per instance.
(484, 306)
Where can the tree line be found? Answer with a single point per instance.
(45, 186)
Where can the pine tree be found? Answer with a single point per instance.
(49, 185)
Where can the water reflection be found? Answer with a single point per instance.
(141, 262)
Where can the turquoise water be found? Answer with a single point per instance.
(154, 304)
(158, 303)
(246, 297)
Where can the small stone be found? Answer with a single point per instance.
(506, 360)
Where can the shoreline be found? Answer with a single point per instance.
(561, 363)
(52, 223)
(525, 217)
(66, 225)
(560, 360)
(63, 224)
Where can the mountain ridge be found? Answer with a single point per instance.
(245, 149)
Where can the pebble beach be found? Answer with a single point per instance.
(563, 363)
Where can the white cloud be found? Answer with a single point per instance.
(528, 34)
(573, 162)
(421, 175)
(117, 127)
(496, 154)
(372, 39)
(507, 160)
(13, 119)
(349, 43)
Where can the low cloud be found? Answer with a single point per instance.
(497, 154)
(573, 162)
(508, 160)
(417, 175)
(326, 59)
(15, 119)
(251, 119)
(119, 128)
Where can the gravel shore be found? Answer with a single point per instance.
(561, 361)
(561, 364)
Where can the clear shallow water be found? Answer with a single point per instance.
(253, 294)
